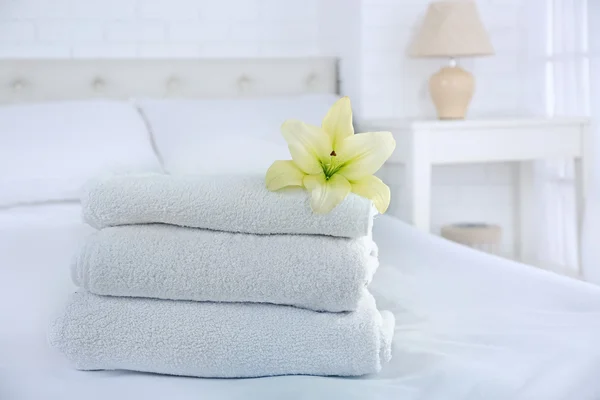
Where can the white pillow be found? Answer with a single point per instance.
(227, 135)
(232, 155)
(49, 150)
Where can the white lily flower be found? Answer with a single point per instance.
(331, 161)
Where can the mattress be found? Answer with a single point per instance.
(469, 325)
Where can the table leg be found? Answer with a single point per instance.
(580, 181)
(525, 233)
(418, 182)
(583, 171)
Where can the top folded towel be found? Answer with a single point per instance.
(224, 203)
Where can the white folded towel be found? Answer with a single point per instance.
(170, 262)
(225, 203)
(224, 340)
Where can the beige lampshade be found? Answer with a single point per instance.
(452, 29)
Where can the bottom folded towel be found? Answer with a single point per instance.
(226, 340)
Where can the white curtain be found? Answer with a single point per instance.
(591, 232)
(562, 57)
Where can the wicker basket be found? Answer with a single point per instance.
(479, 236)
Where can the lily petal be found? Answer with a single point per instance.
(283, 173)
(363, 154)
(375, 190)
(326, 194)
(308, 145)
(338, 121)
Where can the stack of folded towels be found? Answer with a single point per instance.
(218, 277)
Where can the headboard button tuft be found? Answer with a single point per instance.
(98, 84)
(311, 80)
(173, 83)
(18, 85)
(243, 83)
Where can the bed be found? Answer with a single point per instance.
(469, 325)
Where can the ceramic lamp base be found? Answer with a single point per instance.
(451, 90)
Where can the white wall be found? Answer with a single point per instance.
(158, 28)
(370, 36)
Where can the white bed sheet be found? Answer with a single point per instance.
(470, 326)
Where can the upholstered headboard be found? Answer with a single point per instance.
(42, 80)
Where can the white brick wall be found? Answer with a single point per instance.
(158, 28)
(370, 36)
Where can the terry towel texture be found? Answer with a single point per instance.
(168, 262)
(232, 203)
(223, 340)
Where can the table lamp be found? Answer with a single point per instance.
(452, 29)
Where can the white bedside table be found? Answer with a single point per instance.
(422, 144)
